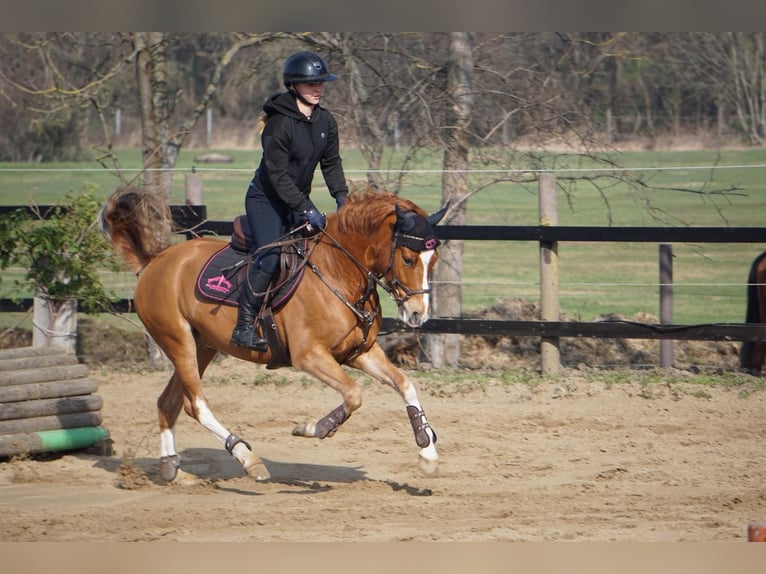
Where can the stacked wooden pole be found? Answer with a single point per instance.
(47, 402)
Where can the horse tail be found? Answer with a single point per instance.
(138, 224)
(752, 313)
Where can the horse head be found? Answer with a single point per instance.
(413, 255)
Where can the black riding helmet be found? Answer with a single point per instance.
(305, 68)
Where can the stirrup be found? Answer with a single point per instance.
(247, 337)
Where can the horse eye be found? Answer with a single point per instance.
(408, 261)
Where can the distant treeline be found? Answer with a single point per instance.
(67, 94)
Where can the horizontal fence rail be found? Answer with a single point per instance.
(611, 329)
(192, 220)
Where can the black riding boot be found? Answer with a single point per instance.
(250, 302)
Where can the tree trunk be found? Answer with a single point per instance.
(55, 323)
(371, 139)
(746, 57)
(444, 350)
(159, 149)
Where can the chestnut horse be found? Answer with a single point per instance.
(375, 240)
(752, 354)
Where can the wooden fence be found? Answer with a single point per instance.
(192, 220)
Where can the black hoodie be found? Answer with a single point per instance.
(293, 146)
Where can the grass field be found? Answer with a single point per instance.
(694, 188)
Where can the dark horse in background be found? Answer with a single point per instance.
(752, 354)
(331, 319)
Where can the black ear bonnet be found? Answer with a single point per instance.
(415, 231)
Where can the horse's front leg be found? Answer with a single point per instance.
(324, 367)
(376, 364)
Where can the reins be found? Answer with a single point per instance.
(364, 316)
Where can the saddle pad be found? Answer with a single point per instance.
(223, 273)
(220, 277)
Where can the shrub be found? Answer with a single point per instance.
(61, 251)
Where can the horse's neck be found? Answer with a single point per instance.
(368, 252)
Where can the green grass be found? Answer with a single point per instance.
(595, 278)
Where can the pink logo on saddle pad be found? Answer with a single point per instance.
(219, 284)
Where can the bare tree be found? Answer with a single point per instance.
(83, 71)
(443, 350)
(731, 68)
(160, 142)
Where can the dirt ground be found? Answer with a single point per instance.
(573, 459)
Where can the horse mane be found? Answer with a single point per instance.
(366, 209)
(138, 222)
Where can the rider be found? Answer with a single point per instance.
(298, 134)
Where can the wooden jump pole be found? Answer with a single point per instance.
(550, 355)
(47, 390)
(47, 402)
(52, 422)
(52, 440)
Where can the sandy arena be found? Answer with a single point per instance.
(573, 460)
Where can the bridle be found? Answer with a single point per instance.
(393, 287)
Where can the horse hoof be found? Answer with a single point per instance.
(428, 467)
(308, 429)
(185, 479)
(258, 471)
(169, 467)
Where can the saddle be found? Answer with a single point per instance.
(224, 272)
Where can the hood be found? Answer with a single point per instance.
(284, 104)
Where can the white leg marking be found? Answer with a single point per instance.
(411, 395)
(209, 421)
(425, 258)
(167, 443)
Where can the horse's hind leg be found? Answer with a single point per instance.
(169, 406)
(184, 389)
(376, 364)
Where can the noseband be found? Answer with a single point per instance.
(394, 286)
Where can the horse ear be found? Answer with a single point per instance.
(404, 220)
(399, 212)
(435, 218)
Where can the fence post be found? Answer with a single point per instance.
(209, 128)
(193, 188)
(666, 301)
(549, 274)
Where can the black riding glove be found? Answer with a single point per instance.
(314, 218)
(340, 199)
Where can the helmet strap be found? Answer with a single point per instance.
(297, 94)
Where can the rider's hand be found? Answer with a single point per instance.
(314, 218)
(340, 199)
